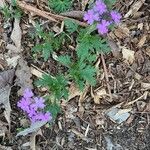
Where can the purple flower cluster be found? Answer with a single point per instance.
(34, 106)
(102, 16)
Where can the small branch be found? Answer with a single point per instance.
(106, 77)
(38, 12)
(47, 15)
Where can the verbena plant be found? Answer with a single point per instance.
(90, 42)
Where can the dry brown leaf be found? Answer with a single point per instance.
(140, 26)
(148, 51)
(128, 55)
(16, 38)
(3, 130)
(33, 139)
(145, 86)
(122, 31)
(142, 41)
(134, 8)
(32, 129)
(12, 62)
(73, 91)
(114, 48)
(24, 75)
(4, 99)
(6, 78)
(98, 95)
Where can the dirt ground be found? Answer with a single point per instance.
(87, 125)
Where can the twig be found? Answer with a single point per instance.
(141, 97)
(106, 77)
(48, 15)
(39, 12)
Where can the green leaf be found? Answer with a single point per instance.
(54, 109)
(60, 5)
(46, 51)
(45, 48)
(57, 85)
(65, 60)
(6, 12)
(71, 25)
(110, 3)
(81, 73)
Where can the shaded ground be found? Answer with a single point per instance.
(87, 127)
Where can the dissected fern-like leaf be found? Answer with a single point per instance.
(71, 25)
(60, 5)
(57, 85)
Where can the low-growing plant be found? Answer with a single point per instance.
(49, 42)
(90, 42)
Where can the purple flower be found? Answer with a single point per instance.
(115, 16)
(100, 7)
(41, 117)
(34, 107)
(27, 93)
(90, 17)
(24, 104)
(103, 27)
(38, 103)
(31, 113)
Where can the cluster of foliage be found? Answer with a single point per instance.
(80, 68)
(12, 11)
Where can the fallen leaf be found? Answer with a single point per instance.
(142, 41)
(148, 51)
(23, 74)
(12, 62)
(73, 91)
(140, 26)
(98, 95)
(6, 78)
(5, 148)
(128, 55)
(16, 34)
(145, 86)
(141, 105)
(114, 48)
(134, 8)
(33, 139)
(110, 145)
(4, 95)
(33, 128)
(122, 31)
(3, 130)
